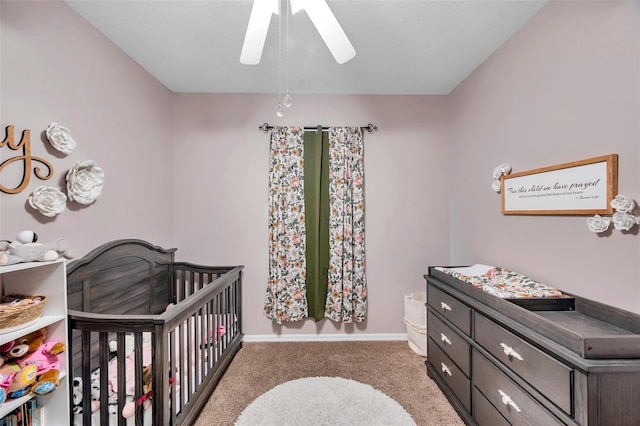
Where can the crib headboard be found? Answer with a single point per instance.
(127, 276)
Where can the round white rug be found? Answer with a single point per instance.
(324, 401)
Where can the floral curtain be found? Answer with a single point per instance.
(347, 289)
(298, 257)
(286, 290)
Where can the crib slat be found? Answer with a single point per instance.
(86, 383)
(104, 377)
(121, 367)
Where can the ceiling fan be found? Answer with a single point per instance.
(320, 15)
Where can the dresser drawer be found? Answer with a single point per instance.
(450, 342)
(484, 413)
(455, 311)
(450, 373)
(548, 375)
(517, 406)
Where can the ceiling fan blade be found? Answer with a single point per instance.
(256, 35)
(330, 30)
(297, 5)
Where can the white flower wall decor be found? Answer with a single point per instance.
(48, 200)
(60, 138)
(598, 223)
(498, 172)
(623, 219)
(84, 182)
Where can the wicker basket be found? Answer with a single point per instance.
(17, 315)
(415, 318)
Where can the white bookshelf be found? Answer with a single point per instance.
(47, 279)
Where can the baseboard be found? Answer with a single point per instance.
(323, 337)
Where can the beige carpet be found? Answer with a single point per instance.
(391, 367)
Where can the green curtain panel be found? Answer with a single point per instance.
(316, 225)
(316, 202)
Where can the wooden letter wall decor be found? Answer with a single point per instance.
(25, 159)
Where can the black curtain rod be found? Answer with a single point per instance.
(369, 128)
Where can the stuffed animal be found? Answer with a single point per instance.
(76, 395)
(13, 377)
(31, 350)
(129, 408)
(23, 237)
(17, 252)
(112, 384)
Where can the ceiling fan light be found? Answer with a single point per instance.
(254, 39)
(287, 101)
(330, 30)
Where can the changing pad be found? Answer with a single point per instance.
(501, 282)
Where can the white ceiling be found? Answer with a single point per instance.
(403, 46)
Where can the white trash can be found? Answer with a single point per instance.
(415, 318)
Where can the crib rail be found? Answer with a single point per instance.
(207, 320)
(195, 339)
(190, 277)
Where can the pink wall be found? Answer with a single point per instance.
(565, 88)
(220, 189)
(56, 67)
(190, 171)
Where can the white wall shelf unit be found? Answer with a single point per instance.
(47, 279)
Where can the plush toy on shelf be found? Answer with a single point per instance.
(12, 376)
(25, 248)
(24, 237)
(30, 351)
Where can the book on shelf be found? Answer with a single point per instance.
(31, 411)
(24, 415)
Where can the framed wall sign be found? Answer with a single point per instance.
(583, 187)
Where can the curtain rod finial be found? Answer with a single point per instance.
(371, 128)
(265, 127)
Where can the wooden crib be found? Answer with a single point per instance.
(118, 295)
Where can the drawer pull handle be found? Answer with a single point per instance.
(445, 307)
(506, 400)
(445, 339)
(445, 369)
(508, 351)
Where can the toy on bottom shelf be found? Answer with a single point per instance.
(26, 249)
(24, 354)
